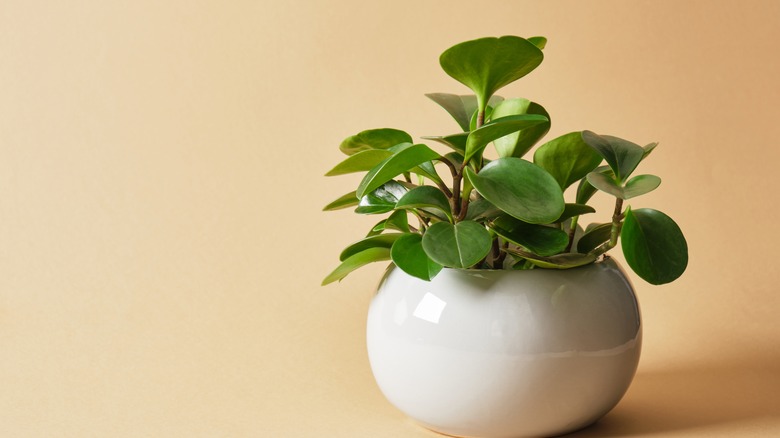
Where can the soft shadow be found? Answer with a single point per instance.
(663, 401)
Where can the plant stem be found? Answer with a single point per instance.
(448, 163)
(456, 182)
(423, 223)
(617, 222)
(572, 231)
(617, 225)
(495, 251)
(444, 189)
(499, 261)
(464, 207)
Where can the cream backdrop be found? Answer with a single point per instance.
(161, 233)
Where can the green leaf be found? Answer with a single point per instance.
(400, 162)
(482, 209)
(621, 155)
(585, 190)
(654, 246)
(459, 107)
(426, 197)
(497, 128)
(594, 237)
(427, 170)
(377, 229)
(560, 261)
(488, 114)
(639, 185)
(538, 41)
(455, 141)
(518, 143)
(362, 161)
(487, 64)
(567, 158)
(605, 184)
(408, 254)
(461, 245)
(648, 149)
(519, 188)
(455, 158)
(571, 210)
(398, 221)
(381, 200)
(345, 201)
(377, 241)
(356, 261)
(537, 239)
(383, 138)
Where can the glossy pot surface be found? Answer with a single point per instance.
(505, 354)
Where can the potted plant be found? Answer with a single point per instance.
(501, 315)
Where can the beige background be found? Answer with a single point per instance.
(161, 239)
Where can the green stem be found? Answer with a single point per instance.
(464, 207)
(423, 223)
(456, 183)
(617, 222)
(617, 225)
(499, 262)
(572, 231)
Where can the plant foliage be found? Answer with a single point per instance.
(508, 213)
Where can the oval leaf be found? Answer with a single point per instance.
(572, 210)
(605, 184)
(640, 184)
(654, 246)
(455, 141)
(497, 128)
(377, 229)
(585, 190)
(594, 237)
(362, 161)
(383, 138)
(519, 188)
(487, 64)
(621, 155)
(398, 221)
(459, 107)
(648, 149)
(461, 245)
(518, 143)
(538, 41)
(567, 158)
(345, 201)
(560, 261)
(356, 261)
(402, 161)
(426, 197)
(377, 241)
(408, 254)
(427, 170)
(482, 209)
(537, 239)
(381, 200)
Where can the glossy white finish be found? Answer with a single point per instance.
(505, 354)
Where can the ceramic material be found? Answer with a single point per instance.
(504, 354)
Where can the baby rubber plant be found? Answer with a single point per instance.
(509, 212)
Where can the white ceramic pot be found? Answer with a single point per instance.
(497, 354)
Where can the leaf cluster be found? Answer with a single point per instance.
(507, 213)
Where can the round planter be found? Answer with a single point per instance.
(476, 353)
